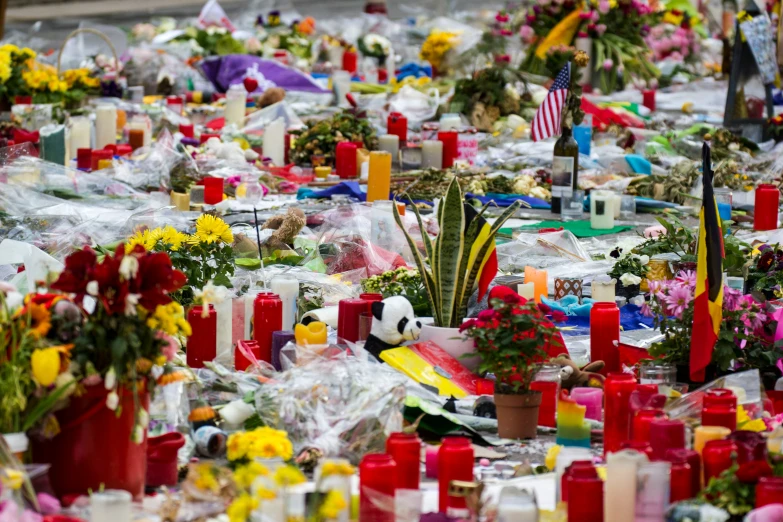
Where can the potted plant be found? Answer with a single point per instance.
(509, 339)
(454, 265)
(630, 270)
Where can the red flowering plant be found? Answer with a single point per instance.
(129, 317)
(512, 338)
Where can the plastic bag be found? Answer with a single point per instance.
(415, 105)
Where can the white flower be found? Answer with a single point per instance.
(644, 259)
(13, 300)
(112, 401)
(138, 434)
(628, 279)
(92, 288)
(210, 294)
(130, 304)
(129, 267)
(144, 418)
(110, 381)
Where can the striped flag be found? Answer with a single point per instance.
(547, 120)
(708, 297)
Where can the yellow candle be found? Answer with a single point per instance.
(704, 434)
(313, 333)
(379, 180)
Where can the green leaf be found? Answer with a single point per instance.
(449, 248)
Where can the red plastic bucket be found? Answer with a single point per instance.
(94, 446)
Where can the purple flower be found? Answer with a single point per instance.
(754, 320)
(731, 298)
(688, 277)
(678, 299)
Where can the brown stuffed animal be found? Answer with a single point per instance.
(286, 227)
(571, 376)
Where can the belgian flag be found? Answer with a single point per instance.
(489, 264)
(708, 304)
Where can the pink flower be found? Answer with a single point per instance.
(171, 347)
(531, 18)
(586, 15)
(687, 276)
(608, 64)
(603, 6)
(600, 29)
(506, 32)
(527, 33)
(594, 16)
(754, 320)
(645, 310)
(678, 299)
(487, 315)
(731, 298)
(501, 18)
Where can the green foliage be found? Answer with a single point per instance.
(727, 492)
(404, 282)
(201, 262)
(630, 264)
(678, 239)
(320, 138)
(488, 86)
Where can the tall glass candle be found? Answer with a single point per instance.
(592, 399)
(617, 414)
(586, 499)
(604, 332)
(345, 160)
(350, 61)
(202, 343)
(224, 328)
(274, 142)
(455, 462)
(377, 481)
(719, 408)
(379, 180)
(547, 381)
(652, 495)
(640, 425)
(397, 124)
(187, 130)
(666, 434)
(84, 159)
(287, 287)
(601, 210)
(279, 340)
(694, 461)
(236, 105)
(432, 154)
(450, 141)
(681, 478)
(213, 190)
(765, 213)
(267, 318)
(566, 457)
(703, 434)
(578, 468)
(105, 126)
(620, 488)
(648, 98)
(539, 280)
(242, 353)
(405, 449)
(390, 143)
(81, 134)
(769, 490)
(716, 457)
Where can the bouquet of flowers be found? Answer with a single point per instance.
(436, 47)
(212, 41)
(630, 269)
(674, 41)
(13, 62)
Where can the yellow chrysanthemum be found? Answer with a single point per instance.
(289, 476)
(337, 468)
(333, 505)
(170, 319)
(9, 48)
(211, 229)
(260, 443)
(172, 238)
(744, 422)
(26, 53)
(5, 71)
(237, 446)
(146, 238)
(244, 476)
(241, 508)
(206, 479)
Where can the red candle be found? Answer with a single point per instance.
(450, 147)
(348, 312)
(681, 477)
(213, 190)
(98, 155)
(548, 407)
(666, 434)
(578, 468)
(397, 124)
(617, 415)
(405, 449)
(241, 361)
(124, 149)
(719, 408)
(604, 331)
(585, 499)
(769, 490)
(765, 214)
(136, 138)
(640, 427)
(716, 457)
(267, 318)
(202, 344)
(345, 160)
(350, 62)
(455, 462)
(638, 445)
(377, 477)
(84, 159)
(694, 461)
(205, 136)
(371, 297)
(186, 129)
(648, 99)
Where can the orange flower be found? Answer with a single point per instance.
(39, 317)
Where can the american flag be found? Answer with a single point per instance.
(547, 120)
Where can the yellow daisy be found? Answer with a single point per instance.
(172, 238)
(211, 229)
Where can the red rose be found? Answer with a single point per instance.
(751, 472)
(558, 316)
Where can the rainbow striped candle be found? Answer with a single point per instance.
(572, 429)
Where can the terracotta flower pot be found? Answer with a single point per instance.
(518, 415)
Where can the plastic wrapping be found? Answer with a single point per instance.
(688, 407)
(541, 251)
(341, 406)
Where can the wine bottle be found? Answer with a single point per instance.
(565, 168)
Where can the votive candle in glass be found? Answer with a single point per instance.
(652, 493)
(349, 311)
(345, 160)
(604, 333)
(432, 154)
(405, 449)
(213, 190)
(617, 414)
(769, 490)
(450, 147)
(694, 461)
(287, 287)
(267, 318)
(620, 487)
(681, 477)
(110, 505)
(603, 291)
(666, 434)
(640, 426)
(717, 457)
(377, 480)
(397, 124)
(719, 408)
(586, 499)
(455, 462)
(379, 180)
(202, 343)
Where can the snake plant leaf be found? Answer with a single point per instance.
(449, 248)
(471, 235)
(424, 237)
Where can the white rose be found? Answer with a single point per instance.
(112, 401)
(628, 279)
(644, 259)
(92, 288)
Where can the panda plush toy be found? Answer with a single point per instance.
(393, 323)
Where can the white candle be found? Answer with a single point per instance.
(432, 154)
(603, 291)
(236, 100)
(620, 485)
(390, 143)
(249, 298)
(652, 496)
(105, 126)
(274, 142)
(565, 458)
(81, 132)
(617, 200)
(450, 122)
(224, 328)
(515, 505)
(287, 287)
(526, 290)
(341, 85)
(335, 54)
(601, 210)
(111, 505)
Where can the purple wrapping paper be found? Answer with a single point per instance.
(225, 71)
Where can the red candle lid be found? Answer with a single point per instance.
(720, 397)
(371, 297)
(582, 469)
(620, 376)
(605, 306)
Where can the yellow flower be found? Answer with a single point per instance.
(26, 53)
(237, 446)
(39, 319)
(45, 365)
(172, 238)
(289, 476)
(265, 494)
(241, 508)
(206, 479)
(146, 238)
(551, 456)
(12, 478)
(333, 505)
(211, 229)
(336, 468)
(170, 319)
(744, 422)
(10, 48)
(244, 476)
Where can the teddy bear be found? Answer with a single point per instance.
(286, 227)
(571, 376)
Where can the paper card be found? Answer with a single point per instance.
(758, 34)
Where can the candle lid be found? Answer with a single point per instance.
(720, 397)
